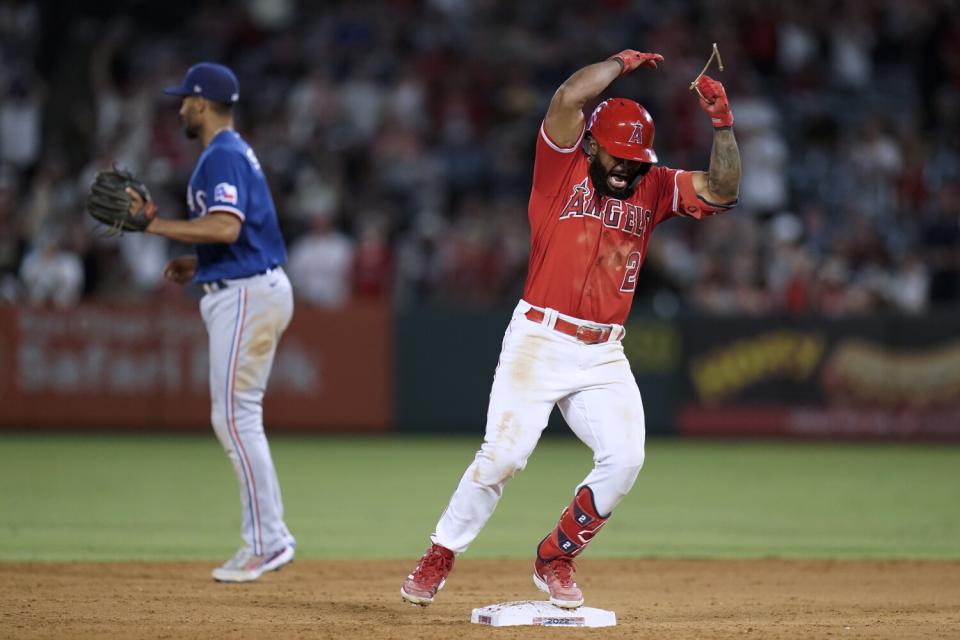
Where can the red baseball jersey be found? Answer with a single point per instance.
(586, 249)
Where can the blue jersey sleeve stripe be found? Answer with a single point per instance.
(225, 209)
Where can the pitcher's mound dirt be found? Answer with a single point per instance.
(667, 599)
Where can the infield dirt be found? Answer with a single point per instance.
(338, 599)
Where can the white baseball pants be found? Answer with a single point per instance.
(598, 396)
(244, 322)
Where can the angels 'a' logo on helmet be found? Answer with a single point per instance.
(624, 129)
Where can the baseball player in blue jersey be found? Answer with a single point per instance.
(247, 305)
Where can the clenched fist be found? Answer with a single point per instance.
(713, 100)
(181, 269)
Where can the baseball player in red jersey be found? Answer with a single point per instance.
(597, 195)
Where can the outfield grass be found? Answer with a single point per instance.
(90, 498)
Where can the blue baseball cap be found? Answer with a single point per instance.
(208, 80)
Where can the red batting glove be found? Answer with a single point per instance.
(630, 60)
(713, 100)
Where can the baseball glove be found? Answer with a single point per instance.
(109, 201)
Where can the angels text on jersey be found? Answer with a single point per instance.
(613, 213)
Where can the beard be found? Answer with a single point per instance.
(600, 178)
(192, 131)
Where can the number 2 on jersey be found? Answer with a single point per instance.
(631, 271)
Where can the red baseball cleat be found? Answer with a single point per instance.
(556, 578)
(428, 577)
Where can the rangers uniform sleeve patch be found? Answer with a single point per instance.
(225, 193)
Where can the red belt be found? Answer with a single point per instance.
(582, 332)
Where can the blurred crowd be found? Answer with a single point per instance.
(398, 139)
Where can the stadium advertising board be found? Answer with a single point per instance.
(873, 377)
(146, 366)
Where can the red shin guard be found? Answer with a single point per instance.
(578, 523)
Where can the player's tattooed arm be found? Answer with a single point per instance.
(723, 178)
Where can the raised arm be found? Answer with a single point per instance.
(564, 120)
(721, 184)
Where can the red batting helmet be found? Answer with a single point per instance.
(624, 129)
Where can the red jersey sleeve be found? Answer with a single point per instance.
(678, 197)
(553, 163)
